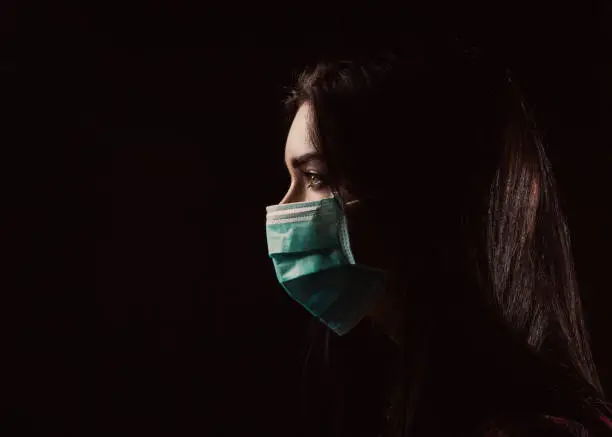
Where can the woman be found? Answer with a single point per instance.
(421, 198)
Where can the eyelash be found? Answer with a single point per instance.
(318, 184)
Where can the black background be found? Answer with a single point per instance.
(158, 138)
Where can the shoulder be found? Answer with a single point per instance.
(563, 426)
(543, 426)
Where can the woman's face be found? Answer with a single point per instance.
(309, 181)
(309, 176)
(305, 165)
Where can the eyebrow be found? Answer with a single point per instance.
(306, 158)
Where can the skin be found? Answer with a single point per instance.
(307, 171)
(308, 174)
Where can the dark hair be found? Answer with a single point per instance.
(446, 149)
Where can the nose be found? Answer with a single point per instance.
(291, 196)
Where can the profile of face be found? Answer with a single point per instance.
(310, 178)
(309, 182)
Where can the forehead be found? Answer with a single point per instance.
(298, 140)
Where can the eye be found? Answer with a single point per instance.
(315, 180)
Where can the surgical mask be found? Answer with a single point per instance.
(309, 245)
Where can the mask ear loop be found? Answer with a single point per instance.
(341, 201)
(343, 227)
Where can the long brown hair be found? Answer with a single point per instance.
(447, 147)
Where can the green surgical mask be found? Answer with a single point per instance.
(309, 246)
